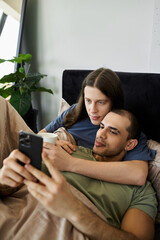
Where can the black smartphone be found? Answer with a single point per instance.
(31, 145)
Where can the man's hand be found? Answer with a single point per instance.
(53, 192)
(12, 173)
(58, 156)
(66, 145)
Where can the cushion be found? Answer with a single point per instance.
(63, 106)
(61, 132)
(154, 173)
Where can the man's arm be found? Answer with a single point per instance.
(116, 172)
(55, 194)
(139, 223)
(136, 226)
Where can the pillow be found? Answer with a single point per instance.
(154, 173)
(63, 106)
(61, 132)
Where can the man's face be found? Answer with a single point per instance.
(111, 138)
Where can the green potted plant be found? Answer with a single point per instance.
(20, 84)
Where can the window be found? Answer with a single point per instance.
(8, 40)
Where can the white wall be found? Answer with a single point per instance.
(87, 34)
(155, 47)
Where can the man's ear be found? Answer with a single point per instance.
(132, 143)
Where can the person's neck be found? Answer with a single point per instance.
(116, 158)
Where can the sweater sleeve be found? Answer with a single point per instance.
(59, 121)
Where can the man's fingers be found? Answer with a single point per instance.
(17, 170)
(12, 163)
(67, 149)
(41, 198)
(16, 154)
(42, 177)
(72, 147)
(66, 145)
(40, 192)
(10, 182)
(37, 188)
(48, 145)
(12, 175)
(56, 175)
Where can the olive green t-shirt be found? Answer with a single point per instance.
(112, 199)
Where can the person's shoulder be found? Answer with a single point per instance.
(145, 188)
(141, 151)
(67, 110)
(148, 185)
(73, 106)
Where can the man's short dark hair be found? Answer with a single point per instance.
(134, 130)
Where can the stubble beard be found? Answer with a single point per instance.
(108, 153)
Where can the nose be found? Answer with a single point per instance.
(102, 133)
(93, 107)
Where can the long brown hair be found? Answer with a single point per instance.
(108, 83)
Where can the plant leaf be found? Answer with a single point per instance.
(8, 78)
(20, 102)
(8, 60)
(21, 70)
(25, 57)
(21, 58)
(42, 89)
(2, 60)
(12, 77)
(33, 78)
(6, 91)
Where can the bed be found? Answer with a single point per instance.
(22, 217)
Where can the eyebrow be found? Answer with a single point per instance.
(110, 127)
(113, 128)
(104, 100)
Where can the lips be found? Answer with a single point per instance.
(99, 143)
(94, 117)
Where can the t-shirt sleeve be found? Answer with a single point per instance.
(141, 151)
(59, 121)
(144, 199)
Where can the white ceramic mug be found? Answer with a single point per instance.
(48, 137)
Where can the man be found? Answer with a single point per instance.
(135, 216)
